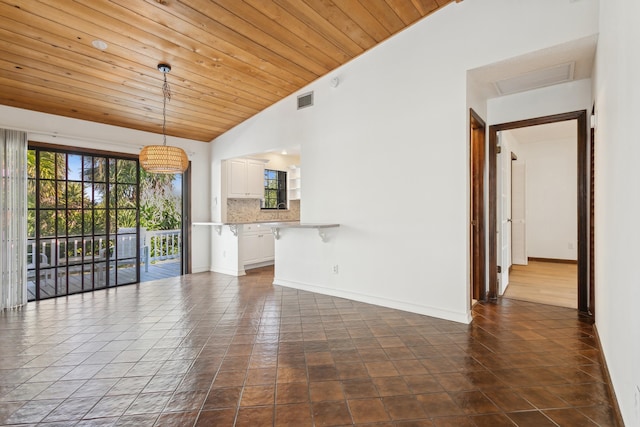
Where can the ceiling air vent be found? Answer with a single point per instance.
(305, 100)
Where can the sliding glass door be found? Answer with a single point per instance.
(83, 221)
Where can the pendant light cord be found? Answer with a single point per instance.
(166, 96)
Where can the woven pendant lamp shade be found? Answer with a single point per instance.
(163, 159)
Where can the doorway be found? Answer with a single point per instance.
(84, 214)
(537, 221)
(579, 118)
(163, 225)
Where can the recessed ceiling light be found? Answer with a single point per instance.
(99, 44)
(284, 152)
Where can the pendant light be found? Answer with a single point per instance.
(164, 158)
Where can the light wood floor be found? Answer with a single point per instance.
(544, 282)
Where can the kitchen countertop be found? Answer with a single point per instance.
(247, 222)
(275, 226)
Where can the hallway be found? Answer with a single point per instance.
(210, 349)
(545, 283)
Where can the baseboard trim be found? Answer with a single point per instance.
(555, 260)
(258, 265)
(617, 415)
(383, 302)
(228, 271)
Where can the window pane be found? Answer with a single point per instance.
(127, 196)
(100, 221)
(87, 168)
(47, 194)
(61, 196)
(127, 171)
(100, 247)
(74, 167)
(47, 223)
(112, 195)
(61, 166)
(87, 195)
(61, 218)
(99, 169)
(47, 165)
(112, 170)
(31, 163)
(126, 271)
(31, 193)
(74, 194)
(31, 223)
(126, 220)
(88, 223)
(75, 222)
(99, 195)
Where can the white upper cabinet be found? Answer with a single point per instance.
(245, 179)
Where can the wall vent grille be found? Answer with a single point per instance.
(305, 100)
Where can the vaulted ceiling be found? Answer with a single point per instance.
(230, 59)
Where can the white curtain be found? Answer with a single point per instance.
(13, 218)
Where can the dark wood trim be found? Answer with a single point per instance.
(186, 221)
(84, 150)
(553, 260)
(477, 149)
(493, 214)
(613, 401)
(583, 218)
(592, 230)
(583, 261)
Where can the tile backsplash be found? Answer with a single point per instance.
(248, 210)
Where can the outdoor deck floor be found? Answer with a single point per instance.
(157, 271)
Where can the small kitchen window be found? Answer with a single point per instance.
(275, 189)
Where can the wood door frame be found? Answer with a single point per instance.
(477, 232)
(583, 260)
(185, 267)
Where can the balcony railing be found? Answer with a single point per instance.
(163, 244)
(154, 246)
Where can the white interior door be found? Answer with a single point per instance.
(504, 218)
(519, 226)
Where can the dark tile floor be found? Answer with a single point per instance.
(214, 350)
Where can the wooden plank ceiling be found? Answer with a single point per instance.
(231, 58)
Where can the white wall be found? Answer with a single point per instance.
(385, 153)
(80, 133)
(551, 197)
(562, 98)
(617, 96)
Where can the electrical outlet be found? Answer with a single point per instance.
(570, 245)
(335, 269)
(224, 254)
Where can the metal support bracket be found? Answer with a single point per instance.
(276, 233)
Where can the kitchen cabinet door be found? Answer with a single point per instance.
(245, 179)
(251, 248)
(255, 179)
